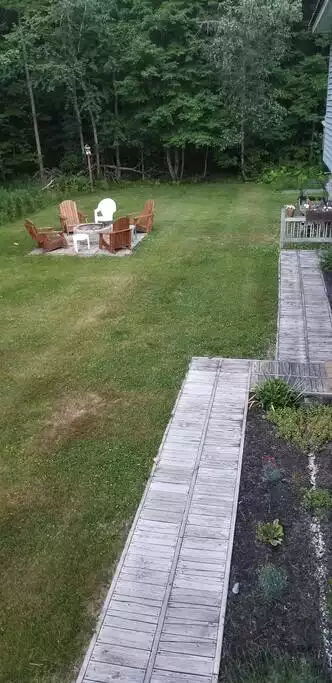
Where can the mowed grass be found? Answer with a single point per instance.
(93, 354)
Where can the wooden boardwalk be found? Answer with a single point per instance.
(163, 618)
(162, 621)
(311, 378)
(305, 320)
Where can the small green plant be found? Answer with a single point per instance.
(271, 472)
(309, 427)
(318, 501)
(275, 393)
(326, 258)
(271, 533)
(272, 582)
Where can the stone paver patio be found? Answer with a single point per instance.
(94, 250)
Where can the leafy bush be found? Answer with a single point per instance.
(318, 501)
(291, 177)
(271, 533)
(75, 184)
(19, 202)
(14, 203)
(309, 427)
(326, 258)
(275, 393)
(272, 582)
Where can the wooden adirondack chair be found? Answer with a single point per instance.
(69, 215)
(47, 239)
(144, 221)
(118, 238)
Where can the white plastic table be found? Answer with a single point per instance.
(80, 237)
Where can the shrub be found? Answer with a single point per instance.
(271, 533)
(318, 501)
(275, 393)
(309, 427)
(326, 258)
(272, 582)
(16, 202)
(290, 177)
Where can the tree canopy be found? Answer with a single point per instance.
(169, 86)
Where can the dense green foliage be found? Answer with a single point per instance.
(326, 258)
(160, 86)
(318, 501)
(309, 427)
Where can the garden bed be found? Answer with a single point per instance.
(256, 628)
(328, 284)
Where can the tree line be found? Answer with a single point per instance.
(159, 87)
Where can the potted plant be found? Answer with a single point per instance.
(290, 210)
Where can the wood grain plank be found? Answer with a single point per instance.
(176, 677)
(190, 664)
(123, 656)
(98, 672)
(113, 635)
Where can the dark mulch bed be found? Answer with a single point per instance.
(324, 481)
(254, 628)
(328, 284)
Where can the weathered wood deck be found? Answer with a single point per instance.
(163, 617)
(305, 320)
(310, 378)
(162, 621)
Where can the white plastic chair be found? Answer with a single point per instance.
(105, 211)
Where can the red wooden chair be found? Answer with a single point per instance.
(118, 238)
(47, 239)
(70, 216)
(144, 221)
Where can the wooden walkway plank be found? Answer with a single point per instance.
(305, 319)
(163, 617)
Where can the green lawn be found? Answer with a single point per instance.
(93, 354)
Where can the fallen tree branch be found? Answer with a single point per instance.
(49, 184)
(125, 168)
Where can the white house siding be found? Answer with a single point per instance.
(328, 120)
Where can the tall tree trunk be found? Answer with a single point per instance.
(78, 117)
(142, 163)
(33, 107)
(94, 128)
(170, 164)
(205, 163)
(117, 161)
(243, 115)
(116, 140)
(176, 163)
(96, 141)
(312, 138)
(182, 162)
(243, 166)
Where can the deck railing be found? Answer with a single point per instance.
(298, 230)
